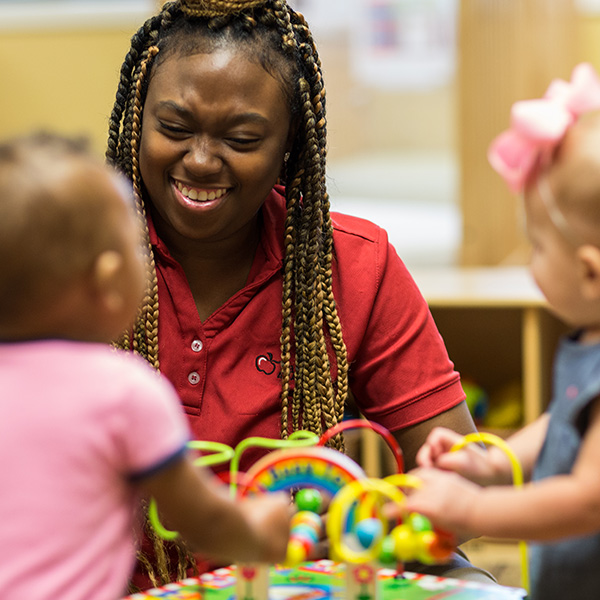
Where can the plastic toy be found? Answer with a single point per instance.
(517, 474)
(324, 580)
(506, 407)
(477, 400)
(360, 535)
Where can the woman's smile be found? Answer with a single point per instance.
(214, 131)
(203, 199)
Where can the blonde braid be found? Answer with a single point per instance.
(306, 393)
(305, 401)
(289, 267)
(217, 8)
(146, 334)
(307, 293)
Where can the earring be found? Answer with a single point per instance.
(286, 157)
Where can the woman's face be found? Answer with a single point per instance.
(214, 132)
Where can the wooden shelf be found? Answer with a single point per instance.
(498, 330)
(478, 287)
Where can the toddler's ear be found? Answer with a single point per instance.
(106, 277)
(589, 261)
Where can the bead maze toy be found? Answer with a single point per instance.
(366, 545)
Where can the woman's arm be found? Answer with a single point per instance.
(412, 438)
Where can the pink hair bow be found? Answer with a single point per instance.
(538, 126)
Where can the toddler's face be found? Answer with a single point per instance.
(130, 280)
(553, 260)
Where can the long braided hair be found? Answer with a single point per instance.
(314, 366)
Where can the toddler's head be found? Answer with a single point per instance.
(551, 155)
(69, 239)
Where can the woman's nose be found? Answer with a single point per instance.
(203, 157)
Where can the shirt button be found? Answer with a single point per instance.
(194, 378)
(197, 345)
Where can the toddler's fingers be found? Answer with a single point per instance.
(424, 456)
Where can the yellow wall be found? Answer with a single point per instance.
(66, 80)
(60, 80)
(589, 39)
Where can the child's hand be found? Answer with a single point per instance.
(474, 462)
(446, 499)
(269, 515)
(438, 443)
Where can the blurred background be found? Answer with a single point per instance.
(416, 90)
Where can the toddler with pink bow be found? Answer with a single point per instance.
(551, 156)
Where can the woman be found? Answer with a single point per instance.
(266, 312)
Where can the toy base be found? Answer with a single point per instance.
(324, 580)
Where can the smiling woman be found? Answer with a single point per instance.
(208, 160)
(268, 312)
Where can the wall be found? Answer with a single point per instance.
(510, 50)
(62, 77)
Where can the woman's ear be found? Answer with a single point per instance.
(106, 276)
(588, 257)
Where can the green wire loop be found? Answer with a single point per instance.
(220, 453)
(297, 439)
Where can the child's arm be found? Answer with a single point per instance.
(549, 509)
(484, 466)
(249, 530)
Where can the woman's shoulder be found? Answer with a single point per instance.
(349, 225)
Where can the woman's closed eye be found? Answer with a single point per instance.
(175, 130)
(243, 143)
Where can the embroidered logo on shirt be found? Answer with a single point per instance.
(265, 363)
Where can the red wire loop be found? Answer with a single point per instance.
(364, 424)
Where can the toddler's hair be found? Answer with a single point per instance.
(575, 178)
(50, 232)
(553, 142)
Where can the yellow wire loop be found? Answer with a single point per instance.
(341, 506)
(489, 439)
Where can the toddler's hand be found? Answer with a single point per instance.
(270, 515)
(438, 443)
(473, 461)
(446, 499)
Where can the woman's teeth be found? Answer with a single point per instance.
(200, 195)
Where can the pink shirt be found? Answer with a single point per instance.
(78, 423)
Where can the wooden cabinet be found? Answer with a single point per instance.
(497, 327)
(498, 330)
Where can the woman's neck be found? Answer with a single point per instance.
(215, 269)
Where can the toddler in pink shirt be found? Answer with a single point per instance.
(86, 430)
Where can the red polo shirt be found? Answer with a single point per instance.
(226, 369)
